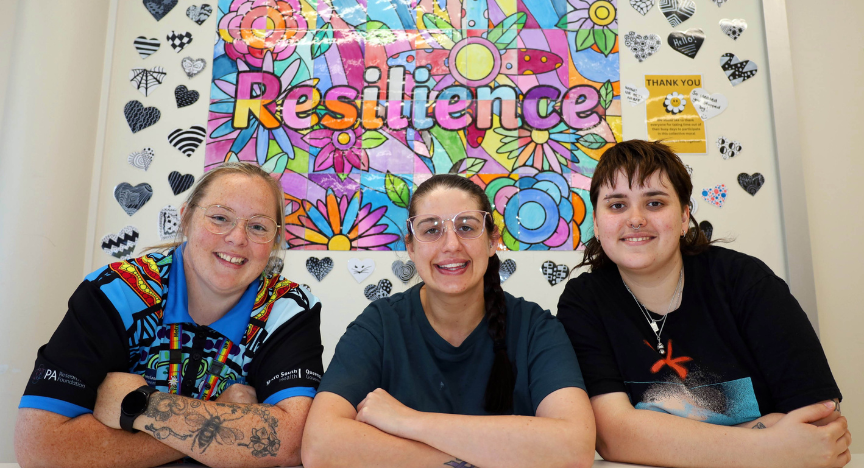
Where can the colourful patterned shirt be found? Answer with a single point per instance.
(124, 317)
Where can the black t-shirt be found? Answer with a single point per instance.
(392, 345)
(738, 347)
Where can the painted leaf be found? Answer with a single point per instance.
(474, 165)
(276, 164)
(592, 141)
(505, 32)
(322, 41)
(605, 40)
(372, 139)
(397, 190)
(451, 143)
(372, 25)
(584, 39)
(606, 94)
(378, 33)
(436, 22)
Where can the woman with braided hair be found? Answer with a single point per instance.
(454, 371)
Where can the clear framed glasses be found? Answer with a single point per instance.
(469, 224)
(220, 219)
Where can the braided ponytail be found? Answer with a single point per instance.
(502, 378)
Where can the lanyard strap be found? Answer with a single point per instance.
(216, 369)
(175, 358)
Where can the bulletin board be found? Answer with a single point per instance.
(191, 85)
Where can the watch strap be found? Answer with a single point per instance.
(126, 418)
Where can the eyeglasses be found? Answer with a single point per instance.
(220, 219)
(467, 225)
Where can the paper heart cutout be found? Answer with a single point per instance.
(694, 206)
(733, 27)
(506, 270)
(319, 268)
(378, 291)
(404, 271)
(708, 105)
(192, 66)
(715, 195)
(361, 269)
(199, 14)
(737, 71)
(751, 183)
(274, 267)
(178, 41)
(728, 148)
(719, 2)
(642, 46)
(554, 273)
(187, 141)
(689, 169)
(159, 8)
(142, 159)
(121, 245)
(634, 95)
(184, 97)
(139, 117)
(642, 6)
(677, 11)
(688, 42)
(706, 229)
(145, 80)
(180, 182)
(169, 222)
(146, 47)
(130, 198)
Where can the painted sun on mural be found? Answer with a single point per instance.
(352, 104)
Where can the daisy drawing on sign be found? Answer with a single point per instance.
(675, 103)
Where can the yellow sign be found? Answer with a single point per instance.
(671, 116)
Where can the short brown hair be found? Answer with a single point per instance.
(639, 160)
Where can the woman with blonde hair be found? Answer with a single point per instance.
(198, 352)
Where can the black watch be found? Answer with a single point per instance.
(134, 404)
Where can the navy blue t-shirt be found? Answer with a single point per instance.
(392, 346)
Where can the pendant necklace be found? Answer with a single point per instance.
(658, 330)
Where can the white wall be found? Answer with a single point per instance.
(53, 80)
(829, 68)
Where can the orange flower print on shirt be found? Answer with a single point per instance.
(673, 363)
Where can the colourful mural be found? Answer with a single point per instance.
(352, 103)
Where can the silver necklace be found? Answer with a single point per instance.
(653, 323)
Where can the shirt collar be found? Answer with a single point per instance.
(232, 325)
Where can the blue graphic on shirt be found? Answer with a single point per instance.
(725, 403)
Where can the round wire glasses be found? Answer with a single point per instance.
(220, 219)
(469, 224)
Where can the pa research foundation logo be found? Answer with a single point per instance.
(42, 373)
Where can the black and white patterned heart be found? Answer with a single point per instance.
(146, 47)
(159, 8)
(139, 117)
(707, 228)
(192, 66)
(404, 271)
(169, 222)
(185, 97)
(506, 270)
(130, 198)
(274, 267)
(121, 245)
(728, 148)
(642, 46)
(677, 11)
(554, 273)
(737, 71)
(319, 268)
(145, 80)
(378, 291)
(199, 14)
(187, 141)
(642, 6)
(180, 182)
(751, 183)
(142, 159)
(688, 42)
(719, 3)
(733, 27)
(178, 41)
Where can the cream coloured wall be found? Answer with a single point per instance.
(828, 56)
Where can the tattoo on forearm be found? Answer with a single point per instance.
(206, 427)
(759, 425)
(457, 463)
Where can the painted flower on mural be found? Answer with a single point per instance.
(340, 223)
(340, 149)
(251, 28)
(595, 23)
(542, 149)
(537, 210)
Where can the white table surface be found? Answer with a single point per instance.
(857, 462)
